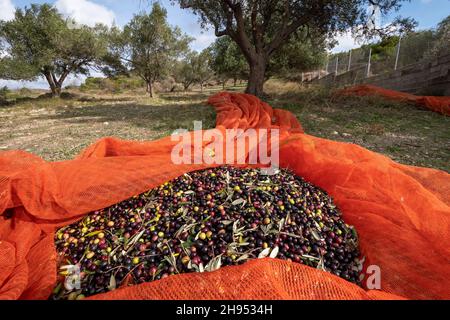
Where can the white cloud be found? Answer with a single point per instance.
(6, 10)
(85, 12)
(346, 42)
(202, 41)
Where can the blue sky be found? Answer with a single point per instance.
(427, 12)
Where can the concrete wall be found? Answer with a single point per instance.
(424, 78)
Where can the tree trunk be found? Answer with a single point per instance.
(201, 86)
(235, 82)
(223, 84)
(150, 89)
(256, 79)
(56, 92)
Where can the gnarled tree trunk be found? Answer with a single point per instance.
(56, 92)
(55, 83)
(256, 78)
(150, 89)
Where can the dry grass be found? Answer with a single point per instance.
(58, 129)
(404, 132)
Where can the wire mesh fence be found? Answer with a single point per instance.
(384, 57)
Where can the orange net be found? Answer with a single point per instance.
(437, 104)
(402, 214)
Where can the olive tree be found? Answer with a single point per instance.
(295, 57)
(149, 46)
(183, 71)
(441, 44)
(261, 27)
(202, 68)
(40, 42)
(227, 60)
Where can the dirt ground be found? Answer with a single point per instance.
(58, 129)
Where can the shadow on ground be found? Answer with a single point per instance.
(167, 117)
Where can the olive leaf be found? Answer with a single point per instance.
(243, 257)
(281, 224)
(214, 264)
(317, 225)
(264, 253)
(315, 234)
(292, 235)
(307, 256)
(112, 283)
(238, 202)
(274, 252)
(93, 233)
(321, 264)
(57, 288)
(135, 239)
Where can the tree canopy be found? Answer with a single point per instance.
(227, 60)
(148, 46)
(40, 42)
(441, 44)
(262, 27)
(295, 57)
(194, 68)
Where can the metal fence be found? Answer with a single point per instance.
(367, 61)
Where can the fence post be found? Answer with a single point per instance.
(349, 60)
(337, 65)
(398, 52)
(368, 64)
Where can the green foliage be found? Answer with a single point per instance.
(227, 60)
(194, 68)
(32, 38)
(262, 27)
(298, 55)
(4, 93)
(113, 84)
(414, 47)
(148, 46)
(441, 44)
(385, 48)
(202, 67)
(4, 90)
(183, 70)
(39, 42)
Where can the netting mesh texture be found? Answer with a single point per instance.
(402, 214)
